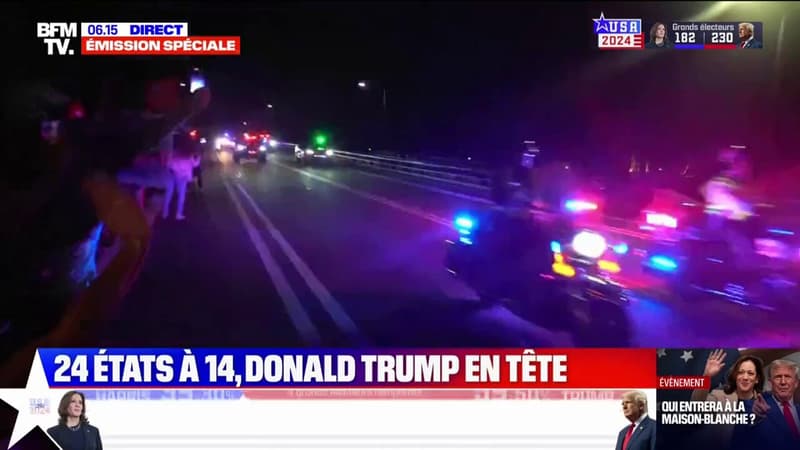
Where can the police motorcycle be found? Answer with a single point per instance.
(550, 262)
(702, 252)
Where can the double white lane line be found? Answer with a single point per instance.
(294, 306)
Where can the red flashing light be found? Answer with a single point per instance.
(76, 111)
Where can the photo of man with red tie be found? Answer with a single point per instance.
(641, 433)
(747, 36)
(777, 412)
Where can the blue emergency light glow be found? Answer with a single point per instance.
(781, 232)
(464, 222)
(555, 247)
(663, 263)
(580, 206)
(621, 249)
(464, 225)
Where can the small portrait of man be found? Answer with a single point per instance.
(641, 433)
(747, 36)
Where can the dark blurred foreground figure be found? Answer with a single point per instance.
(73, 431)
(58, 191)
(730, 213)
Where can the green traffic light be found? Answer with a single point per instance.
(321, 139)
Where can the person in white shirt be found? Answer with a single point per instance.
(182, 164)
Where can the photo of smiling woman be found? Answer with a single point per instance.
(73, 431)
(745, 380)
(658, 37)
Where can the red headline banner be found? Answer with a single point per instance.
(582, 368)
(190, 45)
(547, 368)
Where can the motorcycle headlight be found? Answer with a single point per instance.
(588, 244)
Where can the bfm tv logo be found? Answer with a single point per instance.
(57, 36)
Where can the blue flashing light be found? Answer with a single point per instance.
(464, 222)
(621, 249)
(663, 263)
(464, 231)
(465, 240)
(781, 232)
(576, 206)
(555, 247)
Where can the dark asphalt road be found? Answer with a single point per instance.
(280, 255)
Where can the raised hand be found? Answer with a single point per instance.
(715, 363)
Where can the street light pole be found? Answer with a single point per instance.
(366, 86)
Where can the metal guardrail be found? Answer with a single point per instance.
(445, 173)
(448, 172)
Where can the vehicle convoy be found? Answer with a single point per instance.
(736, 240)
(698, 259)
(553, 261)
(678, 251)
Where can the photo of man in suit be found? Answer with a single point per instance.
(778, 412)
(641, 433)
(747, 36)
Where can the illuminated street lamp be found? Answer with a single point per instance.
(364, 85)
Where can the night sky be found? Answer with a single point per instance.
(478, 78)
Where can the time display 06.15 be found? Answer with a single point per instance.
(101, 29)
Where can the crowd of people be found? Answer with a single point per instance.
(78, 174)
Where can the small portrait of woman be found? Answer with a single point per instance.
(73, 431)
(658, 37)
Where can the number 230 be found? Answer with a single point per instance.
(77, 368)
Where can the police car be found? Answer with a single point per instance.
(251, 146)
